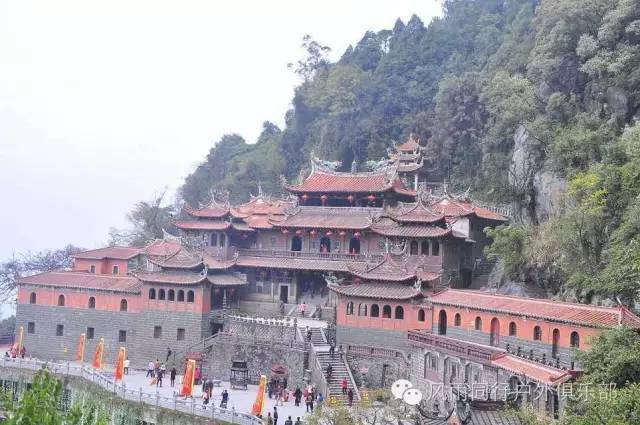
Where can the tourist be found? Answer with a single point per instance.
(150, 368)
(350, 397)
(205, 400)
(197, 376)
(281, 397)
(23, 351)
(329, 372)
(225, 399)
(308, 402)
(281, 307)
(297, 396)
(320, 398)
(126, 366)
(332, 348)
(275, 415)
(173, 376)
(309, 334)
(169, 352)
(303, 308)
(340, 352)
(288, 421)
(269, 419)
(159, 380)
(345, 385)
(298, 422)
(286, 395)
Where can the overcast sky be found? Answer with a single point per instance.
(103, 103)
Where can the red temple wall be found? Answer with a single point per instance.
(80, 298)
(409, 322)
(201, 304)
(102, 266)
(524, 326)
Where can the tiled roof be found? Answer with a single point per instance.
(259, 222)
(385, 270)
(387, 291)
(174, 277)
(398, 187)
(580, 314)
(83, 280)
(202, 224)
(409, 146)
(326, 182)
(242, 227)
(183, 259)
(533, 370)
(329, 218)
(211, 211)
(414, 166)
(451, 207)
(215, 263)
(112, 252)
(260, 205)
(415, 212)
(228, 279)
(162, 248)
(388, 227)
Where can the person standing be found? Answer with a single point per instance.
(332, 349)
(308, 403)
(350, 397)
(297, 396)
(298, 422)
(150, 368)
(169, 353)
(126, 366)
(173, 376)
(275, 415)
(269, 419)
(225, 399)
(159, 380)
(288, 421)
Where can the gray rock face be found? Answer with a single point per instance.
(618, 104)
(549, 187)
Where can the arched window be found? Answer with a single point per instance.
(537, 333)
(575, 340)
(325, 244)
(61, 301)
(413, 248)
(421, 315)
(92, 302)
(190, 297)
(457, 320)
(442, 323)
(349, 308)
(494, 338)
(214, 239)
(513, 329)
(399, 313)
(171, 295)
(32, 298)
(375, 310)
(223, 239)
(362, 309)
(152, 294)
(296, 243)
(478, 324)
(386, 312)
(424, 248)
(354, 246)
(161, 294)
(555, 341)
(123, 305)
(180, 295)
(435, 248)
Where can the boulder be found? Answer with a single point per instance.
(618, 104)
(548, 186)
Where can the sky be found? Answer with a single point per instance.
(104, 103)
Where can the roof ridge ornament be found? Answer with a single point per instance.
(214, 196)
(168, 237)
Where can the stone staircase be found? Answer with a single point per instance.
(318, 337)
(339, 373)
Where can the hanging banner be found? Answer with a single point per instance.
(20, 339)
(80, 352)
(122, 355)
(97, 358)
(258, 406)
(187, 381)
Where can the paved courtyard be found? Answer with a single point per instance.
(240, 400)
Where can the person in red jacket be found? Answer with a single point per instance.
(345, 384)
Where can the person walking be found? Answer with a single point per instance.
(159, 380)
(309, 334)
(225, 399)
(350, 397)
(275, 415)
(298, 422)
(332, 349)
(345, 385)
(173, 376)
(297, 396)
(150, 368)
(303, 308)
(308, 403)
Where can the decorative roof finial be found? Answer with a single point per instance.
(260, 189)
(354, 166)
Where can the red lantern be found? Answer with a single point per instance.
(298, 232)
(313, 232)
(351, 198)
(356, 235)
(371, 198)
(342, 233)
(305, 197)
(285, 231)
(329, 233)
(323, 198)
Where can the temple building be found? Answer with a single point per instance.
(386, 255)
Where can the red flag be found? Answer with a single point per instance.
(97, 358)
(80, 352)
(122, 355)
(187, 381)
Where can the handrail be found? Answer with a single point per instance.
(120, 390)
(335, 256)
(188, 349)
(319, 374)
